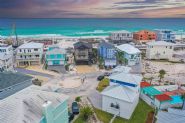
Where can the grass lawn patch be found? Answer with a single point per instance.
(79, 120)
(103, 116)
(139, 115)
(103, 84)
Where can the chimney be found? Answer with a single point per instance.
(47, 112)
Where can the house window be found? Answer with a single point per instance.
(164, 52)
(170, 47)
(166, 46)
(35, 49)
(37, 56)
(20, 50)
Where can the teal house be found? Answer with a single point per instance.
(55, 56)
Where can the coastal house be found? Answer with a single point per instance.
(131, 54)
(45, 42)
(83, 53)
(29, 54)
(144, 36)
(121, 37)
(6, 57)
(119, 100)
(56, 56)
(122, 96)
(165, 35)
(11, 83)
(159, 50)
(108, 53)
(161, 97)
(33, 105)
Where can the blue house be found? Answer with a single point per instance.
(108, 53)
(55, 56)
(165, 35)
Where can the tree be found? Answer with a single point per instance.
(86, 112)
(101, 61)
(151, 78)
(161, 74)
(121, 59)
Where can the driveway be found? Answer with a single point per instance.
(25, 71)
(96, 99)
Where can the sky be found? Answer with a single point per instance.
(92, 8)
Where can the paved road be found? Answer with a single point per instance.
(25, 71)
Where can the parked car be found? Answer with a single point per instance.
(107, 74)
(75, 108)
(71, 116)
(100, 78)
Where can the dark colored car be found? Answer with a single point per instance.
(71, 116)
(75, 108)
(100, 78)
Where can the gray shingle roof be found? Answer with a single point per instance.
(8, 79)
(80, 43)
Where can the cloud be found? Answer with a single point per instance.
(89, 8)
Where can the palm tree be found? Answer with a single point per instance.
(86, 112)
(161, 74)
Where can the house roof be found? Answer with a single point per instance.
(160, 43)
(163, 97)
(144, 32)
(8, 79)
(128, 49)
(80, 43)
(126, 78)
(119, 69)
(56, 51)
(106, 44)
(172, 116)
(27, 105)
(31, 45)
(120, 92)
(144, 84)
(151, 91)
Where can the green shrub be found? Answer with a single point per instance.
(103, 84)
(78, 99)
(86, 112)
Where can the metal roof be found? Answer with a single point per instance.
(128, 49)
(26, 106)
(120, 92)
(8, 79)
(151, 91)
(31, 45)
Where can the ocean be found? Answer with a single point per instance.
(86, 27)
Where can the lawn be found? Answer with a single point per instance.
(103, 84)
(139, 116)
(79, 120)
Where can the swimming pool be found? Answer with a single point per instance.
(176, 99)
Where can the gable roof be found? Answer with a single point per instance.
(120, 92)
(8, 79)
(128, 49)
(26, 105)
(80, 43)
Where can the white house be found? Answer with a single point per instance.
(122, 96)
(121, 37)
(29, 54)
(130, 53)
(120, 100)
(159, 50)
(6, 57)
